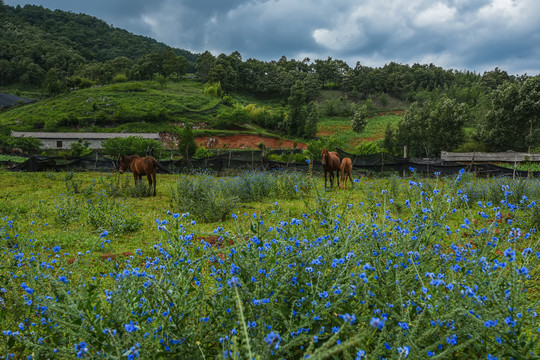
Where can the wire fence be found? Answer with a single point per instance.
(259, 160)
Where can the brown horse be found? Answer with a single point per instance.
(346, 169)
(140, 166)
(330, 162)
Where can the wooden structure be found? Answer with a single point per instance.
(479, 157)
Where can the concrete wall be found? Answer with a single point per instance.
(66, 143)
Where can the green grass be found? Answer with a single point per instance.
(373, 131)
(116, 103)
(415, 252)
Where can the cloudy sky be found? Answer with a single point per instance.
(476, 35)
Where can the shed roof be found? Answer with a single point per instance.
(82, 135)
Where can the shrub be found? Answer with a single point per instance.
(367, 148)
(129, 146)
(109, 214)
(80, 148)
(203, 196)
(213, 89)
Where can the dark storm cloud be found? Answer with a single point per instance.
(473, 35)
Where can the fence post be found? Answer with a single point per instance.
(404, 156)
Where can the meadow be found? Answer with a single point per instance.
(268, 265)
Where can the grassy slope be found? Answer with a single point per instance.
(183, 101)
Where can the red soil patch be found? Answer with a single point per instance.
(393, 112)
(246, 142)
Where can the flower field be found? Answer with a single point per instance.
(269, 266)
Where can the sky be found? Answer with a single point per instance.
(473, 35)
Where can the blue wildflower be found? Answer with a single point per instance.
(377, 323)
(360, 354)
(273, 339)
(404, 351)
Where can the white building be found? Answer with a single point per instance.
(63, 140)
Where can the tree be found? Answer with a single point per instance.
(513, 122)
(52, 83)
(360, 118)
(389, 142)
(436, 126)
(129, 146)
(186, 141)
(297, 111)
(310, 128)
(204, 65)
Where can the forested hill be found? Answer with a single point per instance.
(35, 39)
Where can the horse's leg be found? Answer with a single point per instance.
(154, 176)
(149, 177)
(337, 177)
(350, 178)
(135, 178)
(324, 178)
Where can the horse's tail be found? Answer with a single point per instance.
(162, 168)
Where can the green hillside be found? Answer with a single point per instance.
(148, 106)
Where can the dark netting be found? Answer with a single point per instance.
(258, 160)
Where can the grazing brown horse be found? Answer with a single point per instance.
(330, 162)
(346, 169)
(140, 166)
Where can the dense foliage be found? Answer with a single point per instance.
(131, 145)
(35, 40)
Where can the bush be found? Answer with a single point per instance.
(130, 145)
(213, 89)
(109, 214)
(29, 145)
(203, 196)
(80, 148)
(367, 148)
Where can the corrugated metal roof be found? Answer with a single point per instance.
(82, 135)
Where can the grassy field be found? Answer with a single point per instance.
(373, 131)
(268, 265)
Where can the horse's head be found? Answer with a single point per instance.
(122, 164)
(324, 156)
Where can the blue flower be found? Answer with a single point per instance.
(404, 351)
(452, 339)
(273, 339)
(403, 325)
(360, 354)
(104, 233)
(348, 318)
(81, 348)
(56, 248)
(130, 327)
(377, 323)
(233, 281)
